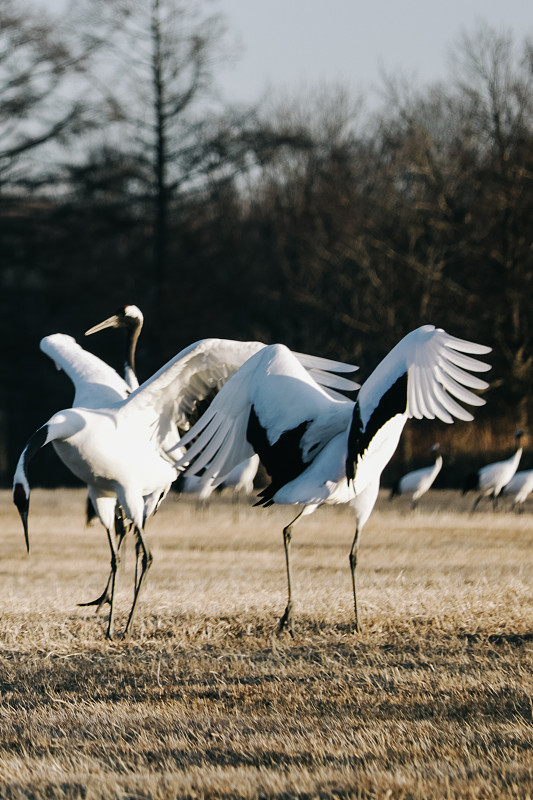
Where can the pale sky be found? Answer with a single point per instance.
(286, 43)
(290, 44)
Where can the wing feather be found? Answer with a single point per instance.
(437, 368)
(285, 398)
(96, 384)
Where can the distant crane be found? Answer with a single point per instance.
(317, 449)
(490, 480)
(521, 485)
(125, 450)
(240, 480)
(419, 481)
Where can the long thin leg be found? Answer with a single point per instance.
(286, 619)
(120, 531)
(115, 558)
(146, 561)
(353, 567)
(476, 503)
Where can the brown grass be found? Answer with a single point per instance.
(433, 699)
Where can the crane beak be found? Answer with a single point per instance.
(111, 322)
(22, 503)
(24, 518)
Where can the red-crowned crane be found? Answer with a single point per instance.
(490, 480)
(317, 449)
(125, 449)
(419, 481)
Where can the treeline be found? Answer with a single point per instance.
(124, 178)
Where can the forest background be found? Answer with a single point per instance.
(306, 219)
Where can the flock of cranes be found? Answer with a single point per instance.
(220, 407)
(491, 481)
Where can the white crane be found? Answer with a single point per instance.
(318, 449)
(130, 318)
(521, 485)
(125, 450)
(419, 481)
(490, 480)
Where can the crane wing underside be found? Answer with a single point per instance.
(271, 406)
(184, 388)
(439, 375)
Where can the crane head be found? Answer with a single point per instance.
(128, 316)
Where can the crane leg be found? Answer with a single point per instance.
(115, 559)
(476, 502)
(146, 562)
(353, 566)
(286, 619)
(105, 597)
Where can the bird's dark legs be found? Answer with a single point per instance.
(286, 619)
(120, 530)
(143, 555)
(115, 558)
(476, 502)
(353, 567)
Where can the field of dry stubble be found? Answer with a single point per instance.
(433, 699)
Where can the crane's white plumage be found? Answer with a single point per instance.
(126, 449)
(96, 384)
(320, 449)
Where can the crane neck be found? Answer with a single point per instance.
(130, 373)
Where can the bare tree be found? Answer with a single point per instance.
(37, 104)
(157, 64)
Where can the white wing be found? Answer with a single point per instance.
(289, 408)
(437, 370)
(96, 384)
(187, 383)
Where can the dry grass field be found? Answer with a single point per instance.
(434, 699)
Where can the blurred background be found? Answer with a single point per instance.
(310, 216)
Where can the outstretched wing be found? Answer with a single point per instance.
(425, 375)
(96, 384)
(272, 406)
(181, 390)
(437, 371)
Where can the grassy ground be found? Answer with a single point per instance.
(433, 699)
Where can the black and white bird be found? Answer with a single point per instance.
(521, 485)
(318, 449)
(490, 480)
(419, 481)
(125, 449)
(130, 319)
